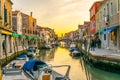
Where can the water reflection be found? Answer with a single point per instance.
(46, 55)
(79, 69)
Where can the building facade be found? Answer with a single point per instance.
(17, 26)
(109, 22)
(93, 10)
(5, 26)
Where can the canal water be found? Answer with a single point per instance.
(79, 70)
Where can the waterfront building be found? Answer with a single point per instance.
(80, 32)
(5, 26)
(32, 32)
(25, 28)
(93, 11)
(109, 22)
(17, 28)
(86, 27)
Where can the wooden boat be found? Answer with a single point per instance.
(13, 71)
(39, 70)
(74, 52)
(22, 57)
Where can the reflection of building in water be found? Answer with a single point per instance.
(47, 55)
(63, 44)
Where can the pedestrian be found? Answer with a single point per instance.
(92, 44)
(85, 42)
(99, 43)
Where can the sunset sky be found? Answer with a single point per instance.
(61, 15)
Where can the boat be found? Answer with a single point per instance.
(75, 52)
(14, 71)
(48, 46)
(39, 70)
(22, 57)
(72, 45)
(32, 52)
(72, 49)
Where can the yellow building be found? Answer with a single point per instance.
(5, 25)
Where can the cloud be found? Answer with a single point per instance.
(56, 13)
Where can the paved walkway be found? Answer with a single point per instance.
(111, 54)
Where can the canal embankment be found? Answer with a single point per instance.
(5, 60)
(104, 59)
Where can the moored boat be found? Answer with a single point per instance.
(13, 71)
(39, 70)
(74, 52)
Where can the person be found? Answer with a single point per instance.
(99, 43)
(92, 44)
(85, 44)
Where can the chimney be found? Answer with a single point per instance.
(31, 13)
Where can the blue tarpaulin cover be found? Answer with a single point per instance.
(74, 49)
(29, 65)
(108, 30)
(22, 56)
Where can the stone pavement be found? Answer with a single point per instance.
(106, 53)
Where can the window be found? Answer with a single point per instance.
(5, 15)
(118, 5)
(104, 15)
(104, 35)
(111, 9)
(107, 11)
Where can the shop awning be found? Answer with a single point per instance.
(30, 37)
(23, 36)
(6, 32)
(108, 30)
(100, 31)
(42, 39)
(35, 38)
(15, 34)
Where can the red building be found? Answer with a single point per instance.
(93, 11)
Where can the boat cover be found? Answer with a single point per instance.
(74, 49)
(29, 65)
(22, 56)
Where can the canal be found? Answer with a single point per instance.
(79, 70)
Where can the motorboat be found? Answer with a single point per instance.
(72, 45)
(30, 52)
(48, 46)
(13, 71)
(22, 57)
(75, 52)
(39, 70)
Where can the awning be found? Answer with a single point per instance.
(30, 37)
(35, 38)
(6, 32)
(15, 34)
(42, 39)
(108, 30)
(23, 36)
(100, 31)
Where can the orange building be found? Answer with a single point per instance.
(32, 26)
(93, 11)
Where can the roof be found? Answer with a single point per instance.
(95, 3)
(15, 12)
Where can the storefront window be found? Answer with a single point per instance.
(113, 36)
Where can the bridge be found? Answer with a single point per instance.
(65, 40)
